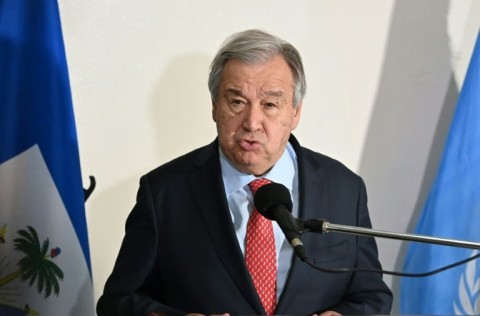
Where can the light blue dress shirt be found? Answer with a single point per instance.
(240, 201)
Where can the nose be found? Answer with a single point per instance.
(253, 118)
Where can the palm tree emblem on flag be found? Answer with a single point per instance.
(36, 265)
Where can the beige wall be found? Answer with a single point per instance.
(382, 75)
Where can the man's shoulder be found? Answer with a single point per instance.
(322, 159)
(187, 163)
(324, 164)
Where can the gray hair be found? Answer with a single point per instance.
(256, 47)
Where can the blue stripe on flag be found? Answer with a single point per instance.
(452, 210)
(35, 99)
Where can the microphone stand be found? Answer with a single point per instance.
(322, 226)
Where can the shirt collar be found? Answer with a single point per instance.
(282, 172)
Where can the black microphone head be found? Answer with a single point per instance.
(270, 195)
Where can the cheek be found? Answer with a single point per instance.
(226, 124)
(280, 134)
(284, 126)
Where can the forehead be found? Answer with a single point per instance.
(274, 75)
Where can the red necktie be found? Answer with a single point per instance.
(260, 254)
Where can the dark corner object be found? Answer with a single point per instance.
(89, 190)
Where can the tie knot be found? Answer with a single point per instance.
(257, 183)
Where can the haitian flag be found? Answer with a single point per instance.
(451, 211)
(44, 254)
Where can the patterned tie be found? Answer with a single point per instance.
(260, 254)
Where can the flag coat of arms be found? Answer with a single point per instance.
(44, 255)
(452, 211)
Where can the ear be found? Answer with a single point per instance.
(214, 111)
(297, 111)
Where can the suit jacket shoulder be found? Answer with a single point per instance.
(315, 164)
(187, 163)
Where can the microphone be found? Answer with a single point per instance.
(322, 226)
(273, 201)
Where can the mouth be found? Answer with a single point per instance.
(249, 145)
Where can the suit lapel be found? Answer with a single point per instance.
(218, 222)
(310, 176)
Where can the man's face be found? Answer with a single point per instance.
(254, 113)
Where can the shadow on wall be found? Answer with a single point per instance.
(180, 111)
(107, 210)
(410, 120)
(181, 107)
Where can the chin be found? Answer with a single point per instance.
(249, 162)
(254, 169)
(246, 167)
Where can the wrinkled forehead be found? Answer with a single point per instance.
(273, 77)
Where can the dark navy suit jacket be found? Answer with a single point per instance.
(180, 253)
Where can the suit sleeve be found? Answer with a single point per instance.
(367, 293)
(129, 289)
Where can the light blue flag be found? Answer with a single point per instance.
(451, 211)
(44, 255)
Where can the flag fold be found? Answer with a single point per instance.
(44, 254)
(452, 211)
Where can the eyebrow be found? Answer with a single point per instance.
(237, 92)
(274, 93)
(233, 91)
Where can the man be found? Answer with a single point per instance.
(190, 243)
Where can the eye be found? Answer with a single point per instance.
(270, 105)
(237, 104)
